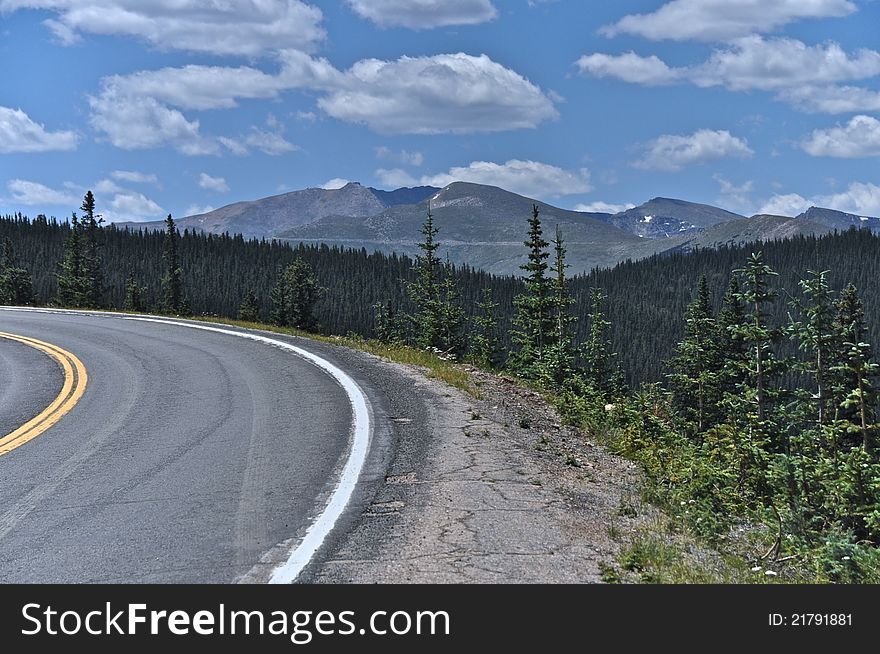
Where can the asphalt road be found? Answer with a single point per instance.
(191, 457)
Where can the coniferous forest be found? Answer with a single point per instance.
(743, 379)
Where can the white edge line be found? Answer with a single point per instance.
(317, 533)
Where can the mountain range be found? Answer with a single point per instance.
(484, 226)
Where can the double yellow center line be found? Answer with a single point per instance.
(75, 380)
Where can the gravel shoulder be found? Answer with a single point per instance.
(493, 490)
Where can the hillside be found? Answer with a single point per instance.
(266, 217)
(483, 226)
(762, 227)
(839, 220)
(663, 218)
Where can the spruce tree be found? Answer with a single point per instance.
(533, 323)
(817, 337)
(697, 365)
(561, 352)
(135, 299)
(16, 287)
(71, 286)
(249, 310)
(485, 344)
(93, 278)
(451, 315)
(599, 358)
(295, 295)
(857, 366)
(388, 328)
(173, 300)
(425, 290)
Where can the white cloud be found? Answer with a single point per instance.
(773, 64)
(18, 133)
(790, 204)
(455, 93)
(862, 199)
(424, 14)
(334, 184)
(831, 99)
(859, 138)
(231, 27)
(447, 93)
(735, 195)
(209, 183)
(134, 177)
(131, 205)
(529, 178)
(404, 156)
(136, 123)
(29, 193)
(671, 152)
(721, 20)
(810, 78)
(107, 186)
(603, 207)
(392, 178)
(630, 67)
(269, 142)
(196, 210)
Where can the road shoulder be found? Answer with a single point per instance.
(485, 491)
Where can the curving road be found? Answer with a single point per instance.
(192, 456)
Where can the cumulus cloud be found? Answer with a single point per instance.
(722, 20)
(671, 152)
(134, 206)
(232, 27)
(603, 207)
(447, 93)
(424, 14)
(18, 133)
(209, 183)
(29, 193)
(454, 93)
(859, 138)
(134, 177)
(335, 184)
(755, 63)
(810, 78)
(862, 199)
(529, 178)
(630, 67)
(271, 142)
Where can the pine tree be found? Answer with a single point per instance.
(71, 286)
(485, 344)
(451, 315)
(817, 337)
(599, 358)
(760, 338)
(697, 364)
(388, 327)
(857, 366)
(295, 295)
(134, 296)
(93, 278)
(249, 311)
(425, 290)
(16, 287)
(560, 352)
(173, 300)
(533, 323)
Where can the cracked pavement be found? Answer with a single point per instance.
(473, 497)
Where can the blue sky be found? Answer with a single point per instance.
(183, 105)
